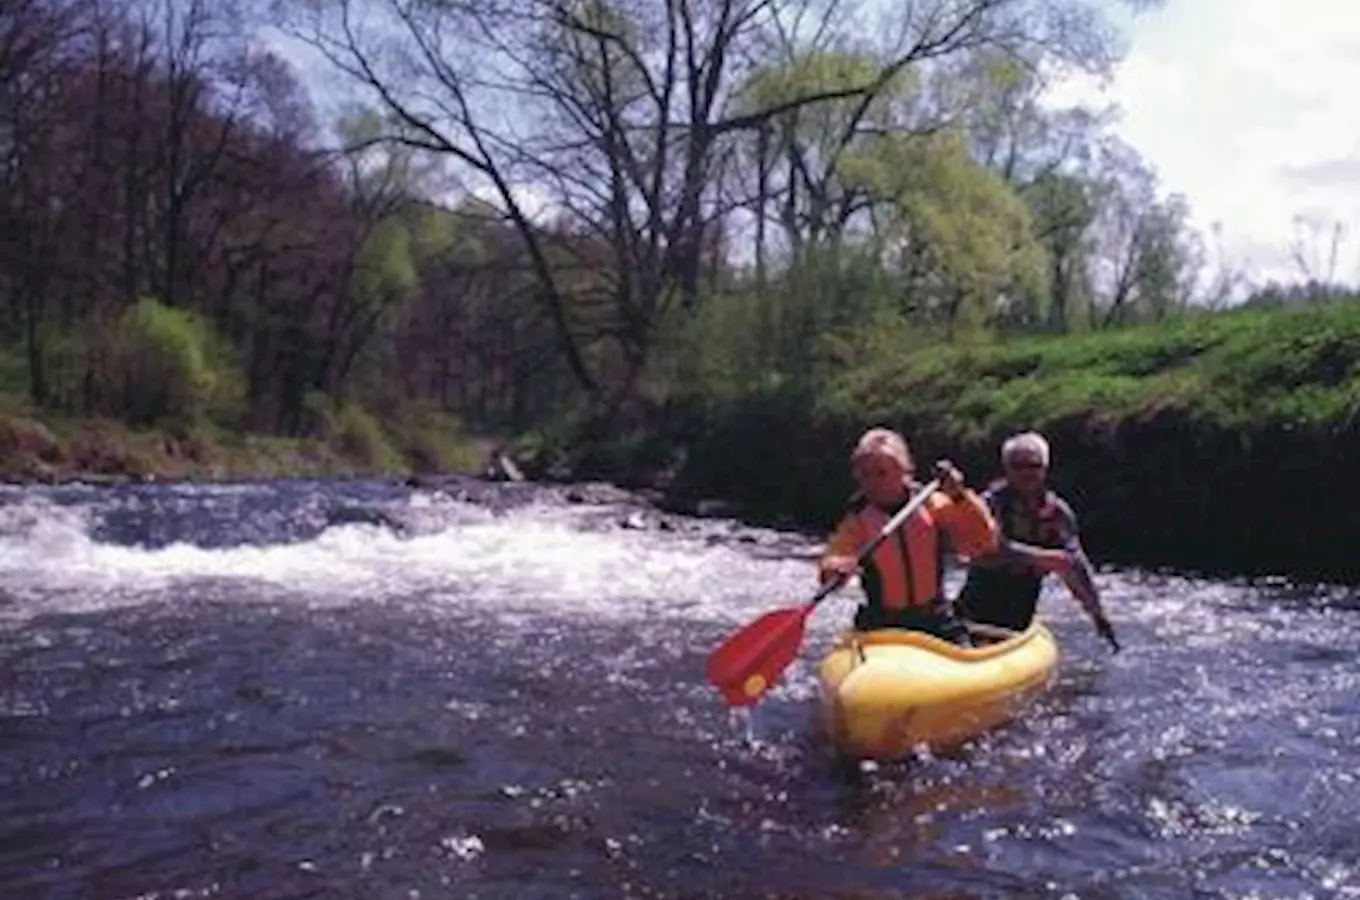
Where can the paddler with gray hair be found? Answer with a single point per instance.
(1039, 535)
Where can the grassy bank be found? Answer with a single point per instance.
(1223, 441)
(52, 448)
(1243, 369)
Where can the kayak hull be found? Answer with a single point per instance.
(883, 693)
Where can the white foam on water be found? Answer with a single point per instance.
(529, 558)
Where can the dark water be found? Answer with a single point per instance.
(354, 690)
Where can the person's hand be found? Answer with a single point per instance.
(1106, 631)
(950, 478)
(1059, 562)
(839, 567)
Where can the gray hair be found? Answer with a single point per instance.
(1026, 442)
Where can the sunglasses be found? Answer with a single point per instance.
(1026, 464)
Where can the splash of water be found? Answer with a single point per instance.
(527, 559)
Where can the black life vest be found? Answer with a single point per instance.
(1041, 525)
(1007, 595)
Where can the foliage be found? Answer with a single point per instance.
(431, 439)
(170, 366)
(153, 365)
(1298, 367)
(957, 231)
(750, 336)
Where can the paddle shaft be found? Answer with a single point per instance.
(892, 525)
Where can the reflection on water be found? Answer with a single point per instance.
(237, 691)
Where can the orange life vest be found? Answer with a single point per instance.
(906, 569)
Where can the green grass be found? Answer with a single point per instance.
(1248, 367)
(1243, 371)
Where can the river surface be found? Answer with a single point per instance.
(363, 690)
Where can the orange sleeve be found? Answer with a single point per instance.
(844, 541)
(969, 523)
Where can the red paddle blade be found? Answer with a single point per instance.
(750, 662)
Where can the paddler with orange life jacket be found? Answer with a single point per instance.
(1039, 535)
(903, 579)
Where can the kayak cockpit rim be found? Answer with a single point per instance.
(1010, 641)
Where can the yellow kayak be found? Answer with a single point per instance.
(885, 692)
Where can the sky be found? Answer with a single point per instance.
(1251, 110)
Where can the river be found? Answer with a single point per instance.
(358, 689)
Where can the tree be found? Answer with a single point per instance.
(958, 234)
(1146, 262)
(626, 113)
(1065, 208)
(35, 62)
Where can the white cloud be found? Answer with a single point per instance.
(1250, 109)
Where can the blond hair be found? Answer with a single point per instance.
(883, 442)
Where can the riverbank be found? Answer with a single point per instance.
(1225, 442)
(45, 449)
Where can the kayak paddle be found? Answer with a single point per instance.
(748, 663)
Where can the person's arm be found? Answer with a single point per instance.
(1080, 576)
(972, 529)
(1009, 552)
(841, 555)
